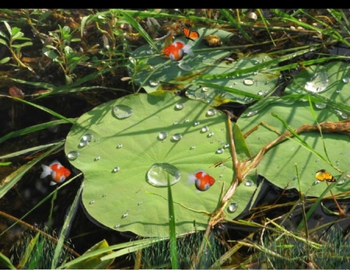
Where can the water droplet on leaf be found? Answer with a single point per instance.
(197, 123)
(249, 183)
(318, 83)
(119, 145)
(232, 207)
(204, 129)
(248, 81)
(176, 137)
(97, 158)
(192, 147)
(346, 80)
(320, 106)
(252, 113)
(210, 134)
(180, 106)
(153, 83)
(116, 169)
(73, 155)
(83, 143)
(159, 173)
(162, 135)
(211, 112)
(87, 137)
(122, 111)
(220, 151)
(92, 202)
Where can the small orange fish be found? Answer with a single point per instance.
(177, 49)
(57, 172)
(201, 179)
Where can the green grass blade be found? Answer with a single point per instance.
(28, 252)
(65, 228)
(326, 32)
(28, 150)
(6, 262)
(9, 181)
(266, 26)
(313, 207)
(172, 229)
(139, 29)
(33, 128)
(233, 21)
(125, 248)
(41, 202)
(338, 16)
(45, 110)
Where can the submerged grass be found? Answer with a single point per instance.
(85, 60)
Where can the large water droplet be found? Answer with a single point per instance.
(341, 114)
(83, 143)
(176, 137)
(232, 207)
(116, 169)
(179, 106)
(122, 111)
(320, 105)
(204, 129)
(220, 151)
(248, 81)
(252, 113)
(153, 83)
(159, 173)
(72, 155)
(318, 83)
(87, 137)
(162, 135)
(211, 112)
(249, 183)
(346, 80)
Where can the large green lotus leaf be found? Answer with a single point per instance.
(124, 200)
(155, 72)
(333, 79)
(279, 164)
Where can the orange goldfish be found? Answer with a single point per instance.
(177, 49)
(57, 172)
(201, 179)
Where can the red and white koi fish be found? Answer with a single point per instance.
(57, 172)
(201, 179)
(177, 49)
